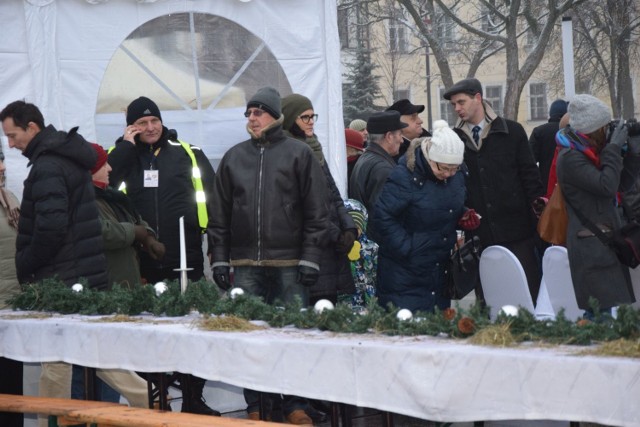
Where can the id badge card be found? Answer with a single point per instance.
(151, 178)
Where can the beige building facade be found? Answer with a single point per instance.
(406, 69)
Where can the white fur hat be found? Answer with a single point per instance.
(445, 146)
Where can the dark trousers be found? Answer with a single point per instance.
(10, 383)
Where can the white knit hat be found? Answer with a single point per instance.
(445, 146)
(588, 114)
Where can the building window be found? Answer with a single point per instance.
(347, 28)
(538, 101)
(444, 28)
(398, 42)
(490, 22)
(446, 110)
(401, 94)
(530, 40)
(493, 95)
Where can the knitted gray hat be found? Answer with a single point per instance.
(588, 114)
(267, 99)
(358, 124)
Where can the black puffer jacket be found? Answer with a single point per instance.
(162, 206)
(503, 180)
(59, 233)
(269, 204)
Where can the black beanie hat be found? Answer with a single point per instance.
(292, 106)
(267, 99)
(558, 109)
(142, 107)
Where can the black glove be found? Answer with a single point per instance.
(307, 276)
(634, 145)
(345, 241)
(221, 277)
(538, 205)
(620, 135)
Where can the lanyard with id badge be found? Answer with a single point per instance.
(152, 176)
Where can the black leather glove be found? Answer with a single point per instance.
(538, 205)
(345, 241)
(307, 276)
(634, 145)
(620, 135)
(221, 277)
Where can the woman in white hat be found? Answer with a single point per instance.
(416, 216)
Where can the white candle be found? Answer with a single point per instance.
(183, 250)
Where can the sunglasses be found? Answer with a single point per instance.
(308, 117)
(256, 112)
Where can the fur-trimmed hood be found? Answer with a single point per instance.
(410, 156)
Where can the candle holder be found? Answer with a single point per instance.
(183, 278)
(183, 259)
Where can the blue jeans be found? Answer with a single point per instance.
(271, 283)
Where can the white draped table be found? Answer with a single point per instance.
(433, 378)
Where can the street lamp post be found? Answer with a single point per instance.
(428, 70)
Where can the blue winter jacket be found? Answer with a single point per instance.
(416, 217)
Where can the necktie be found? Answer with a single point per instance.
(476, 134)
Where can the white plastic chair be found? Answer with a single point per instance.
(503, 280)
(557, 279)
(544, 309)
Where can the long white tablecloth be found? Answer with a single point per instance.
(433, 378)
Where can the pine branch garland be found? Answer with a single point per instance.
(203, 296)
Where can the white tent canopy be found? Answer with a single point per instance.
(70, 58)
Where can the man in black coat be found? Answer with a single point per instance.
(158, 171)
(374, 166)
(503, 182)
(543, 139)
(410, 115)
(166, 179)
(59, 233)
(269, 220)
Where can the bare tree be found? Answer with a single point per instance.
(606, 46)
(487, 27)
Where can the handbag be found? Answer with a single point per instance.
(553, 222)
(462, 274)
(624, 241)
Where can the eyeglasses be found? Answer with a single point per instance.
(451, 170)
(256, 112)
(307, 118)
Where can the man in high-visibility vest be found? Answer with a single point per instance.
(165, 179)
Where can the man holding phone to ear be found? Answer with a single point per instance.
(165, 179)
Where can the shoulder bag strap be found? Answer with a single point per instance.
(587, 223)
